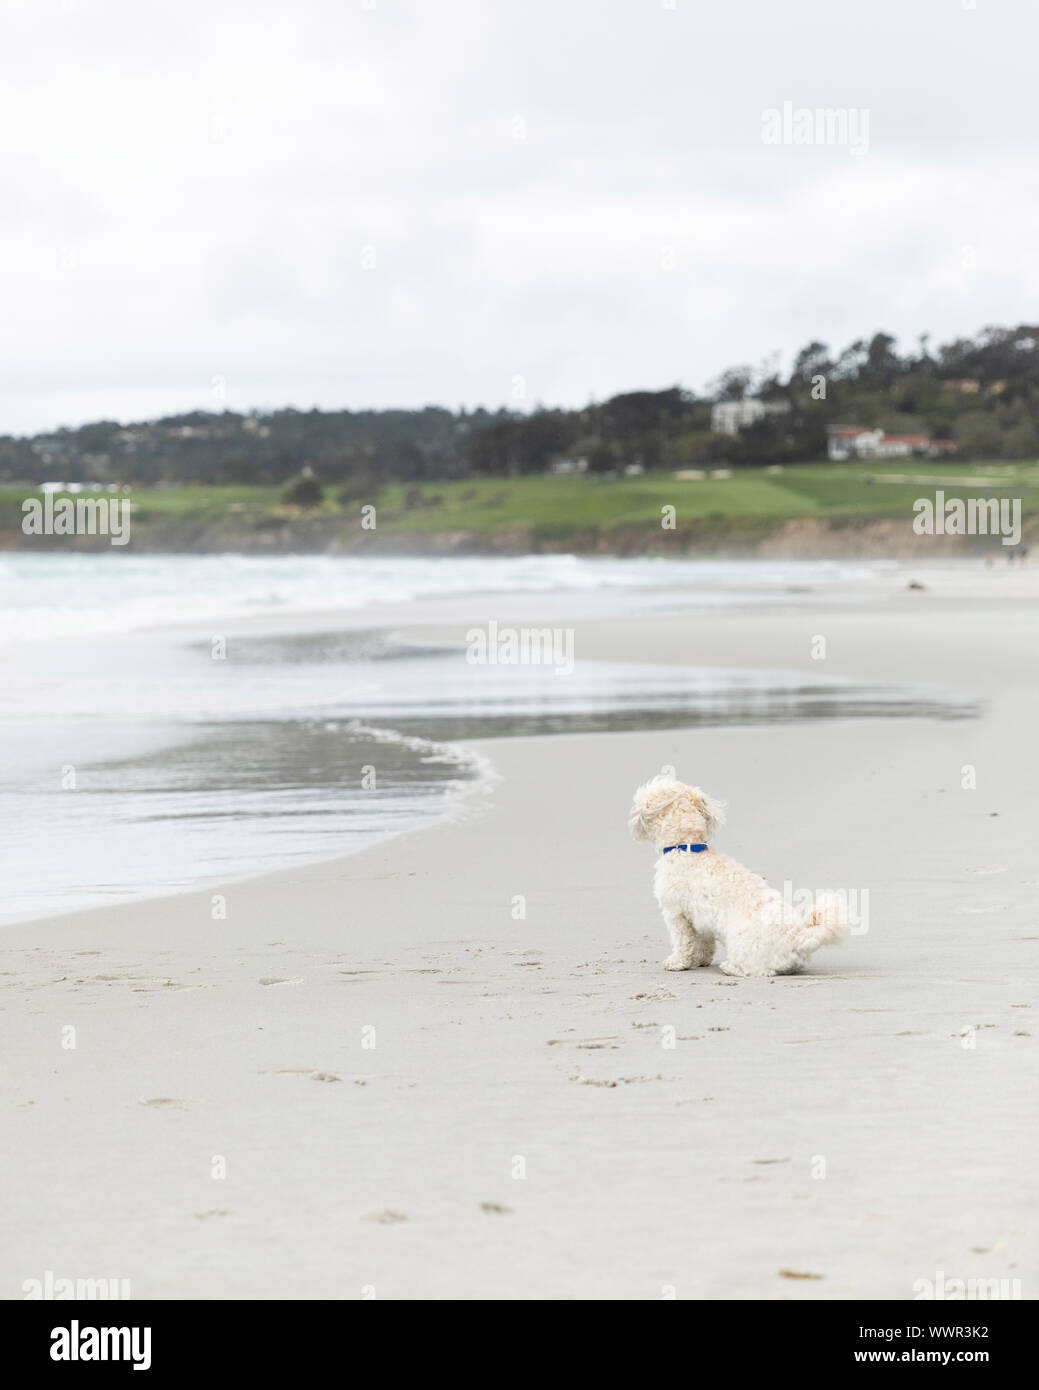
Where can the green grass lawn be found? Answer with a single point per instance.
(556, 506)
(751, 495)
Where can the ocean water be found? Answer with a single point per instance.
(137, 763)
(48, 596)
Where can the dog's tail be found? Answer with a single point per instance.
(824, 924)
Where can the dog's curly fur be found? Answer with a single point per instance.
(706, 897)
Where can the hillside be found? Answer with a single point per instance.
(975, 399)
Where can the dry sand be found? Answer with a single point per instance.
(519, 1130)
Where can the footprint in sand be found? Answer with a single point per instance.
(306, 1071)
(617, 1081)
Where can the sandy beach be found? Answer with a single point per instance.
(438, 1068)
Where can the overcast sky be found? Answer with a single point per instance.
(378, 202)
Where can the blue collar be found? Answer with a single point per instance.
(693, 849)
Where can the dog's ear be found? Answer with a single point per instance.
(652, 799)
(713, 812)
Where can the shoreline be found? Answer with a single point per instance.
(801, 537)
(508, 1044)
(442, 621)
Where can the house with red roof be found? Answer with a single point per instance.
(857, 441)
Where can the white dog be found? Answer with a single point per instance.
(706, 897)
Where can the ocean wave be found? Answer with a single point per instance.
(50, 597)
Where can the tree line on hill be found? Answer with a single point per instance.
(981, 393)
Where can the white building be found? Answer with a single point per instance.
(853, 441)
(729, 417)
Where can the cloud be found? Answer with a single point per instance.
(350, 206)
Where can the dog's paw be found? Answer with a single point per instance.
(727, 968)
(678, 962)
